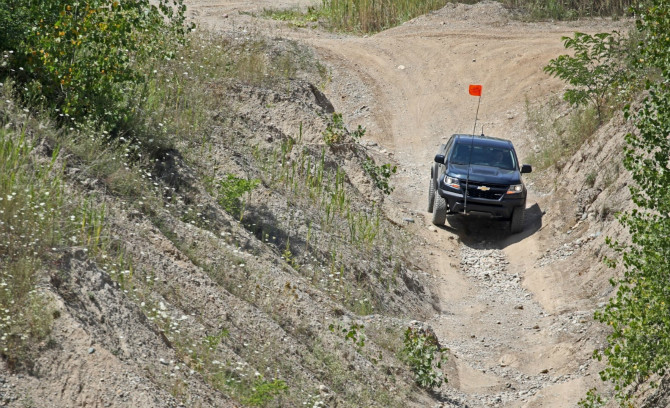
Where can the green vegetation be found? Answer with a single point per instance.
(295, 17)
(559, 138)
(81, 59)
(591, 179)
(603, 78)
(337, 133)
(38, 218)
(595, 70)
(424, 355)
(317, 186)
(371, 16)
(231, 191)
(138, 107)
(84, 68)
(364, 16)
(380, 174)
(569, 9)
(353, 333)
(375, 15)
(639, 344)
(263, 392)
(592, 400)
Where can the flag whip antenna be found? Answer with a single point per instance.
(474, 90)
(479, 101)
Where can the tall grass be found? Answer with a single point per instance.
(375, 15)
(38, 218)
(569, 9)
(338, 227)
(369, 16)
(558, 138)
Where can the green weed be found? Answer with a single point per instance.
(380, 174)
(263, 392)
(231, 191)
(354, 333)
(423, 354)
(592, 400)
(335, 132)
(591, 179)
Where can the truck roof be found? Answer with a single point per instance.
(482, 140)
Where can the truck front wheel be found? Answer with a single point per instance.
(431, 189)
(439, 210)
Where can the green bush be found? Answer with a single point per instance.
(83, 59)
(423, 354)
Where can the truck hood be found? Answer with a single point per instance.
(484, 174)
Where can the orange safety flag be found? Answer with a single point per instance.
(475, 90)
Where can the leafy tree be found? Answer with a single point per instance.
(597, 66)
(639, 313)
(82, 56)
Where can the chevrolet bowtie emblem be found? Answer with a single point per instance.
(483, 188)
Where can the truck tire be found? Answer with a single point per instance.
(518, 218)
(431, 189)
(439, 210)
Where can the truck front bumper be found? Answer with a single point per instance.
(502, 207)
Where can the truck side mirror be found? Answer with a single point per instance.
(526, 168)
(439, 158)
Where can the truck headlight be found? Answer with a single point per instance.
(452, 182)
(515, 189)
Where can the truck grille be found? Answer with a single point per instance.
(495, 193)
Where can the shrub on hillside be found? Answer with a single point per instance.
(82, 58)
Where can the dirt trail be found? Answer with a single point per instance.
(517, 331)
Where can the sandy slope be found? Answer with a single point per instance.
(521, 333)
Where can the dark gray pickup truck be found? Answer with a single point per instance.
(478, 174)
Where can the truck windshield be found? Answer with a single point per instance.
(492, 156)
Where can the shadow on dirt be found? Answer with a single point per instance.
(481, 231)
(263, 223)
